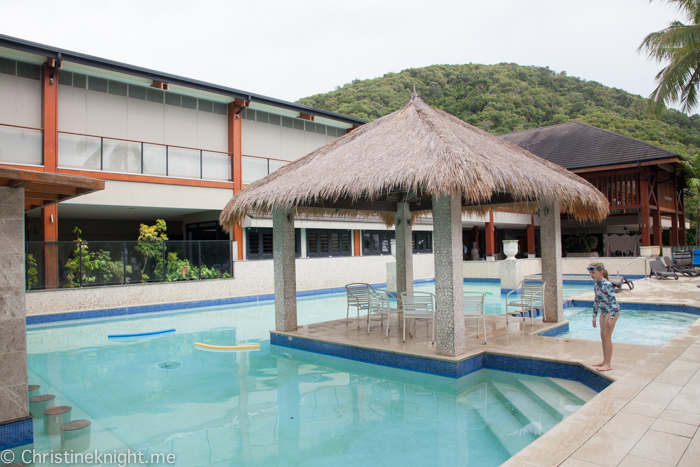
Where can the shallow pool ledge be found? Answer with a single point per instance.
(449, 367)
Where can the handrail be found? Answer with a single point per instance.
(646, 265)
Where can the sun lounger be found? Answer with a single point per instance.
(619, 281)
(531, 297)
(686, 271)
(660, 270)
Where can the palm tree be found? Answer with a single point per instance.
(691, 164)
(679, 46)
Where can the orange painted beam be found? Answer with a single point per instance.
(49, 214)
(490, 236)
(358, 243)
(49, 117)
(672, 160)
(531, 235)
(147, 179)
(308, 117)
(644, 201)
(23, 167)
(235, 147)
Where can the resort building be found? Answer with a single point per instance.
(643, 183)
(175, 148)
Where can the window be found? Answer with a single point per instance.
(288, 122)
(327, 243)
(97, 84)
(422, 242)
(20, 69)
(259, 243)
(117, 88)
(376, 242)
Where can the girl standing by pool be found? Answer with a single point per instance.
(606, 304)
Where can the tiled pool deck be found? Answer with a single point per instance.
(648, 417)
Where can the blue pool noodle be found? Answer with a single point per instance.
(140, 334)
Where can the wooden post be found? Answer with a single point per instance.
(358, 243)
(674, 229)
(490, 236)
(49, 215)
(235, 148)
(531, 248)
(644, 201)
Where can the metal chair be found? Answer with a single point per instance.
(358, 296)
(531, 298)
(474, 308)
(379, 304)
(418, 305)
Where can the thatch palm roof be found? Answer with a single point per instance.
(411, 155)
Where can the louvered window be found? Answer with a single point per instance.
(259, 243)
(328, 243)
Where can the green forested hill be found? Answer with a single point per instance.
(508, 97)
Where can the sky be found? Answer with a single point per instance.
(293, 49)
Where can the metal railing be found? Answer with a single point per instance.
(51, 265)
(646, 266)
(87, 152)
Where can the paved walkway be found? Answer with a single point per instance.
(648, 417)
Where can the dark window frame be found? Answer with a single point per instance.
(258, 251)
(344, 239)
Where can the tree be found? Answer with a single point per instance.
(679, 46)
(691, 164)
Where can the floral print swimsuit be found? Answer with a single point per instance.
(605, 299)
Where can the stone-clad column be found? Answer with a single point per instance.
(550, 234)
(449, 280)
(404, 250)
(13, 336)
(285, 269)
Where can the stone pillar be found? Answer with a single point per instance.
(14, 408)
(449, 281)
(285, 272)
(550, 233)
(404, 250)
(511, 274)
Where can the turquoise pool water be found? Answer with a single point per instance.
(276, 406)
(641, 327)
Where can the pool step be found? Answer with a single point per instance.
(558, 403)
(506, 426)
(579, 390)
(529, 412)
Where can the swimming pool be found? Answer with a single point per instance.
(279, 406)
(641, 327)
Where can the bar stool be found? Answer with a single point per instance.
(33, 390)
(38, 404)
(55, 417)
(75, 436)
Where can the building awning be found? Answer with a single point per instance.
(42, 189)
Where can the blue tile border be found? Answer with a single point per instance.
(16, 433)
(553, 332)
(477, 279)
(133, 310)
(570, 371)
(624, 306)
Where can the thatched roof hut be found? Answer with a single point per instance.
(411, 155)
